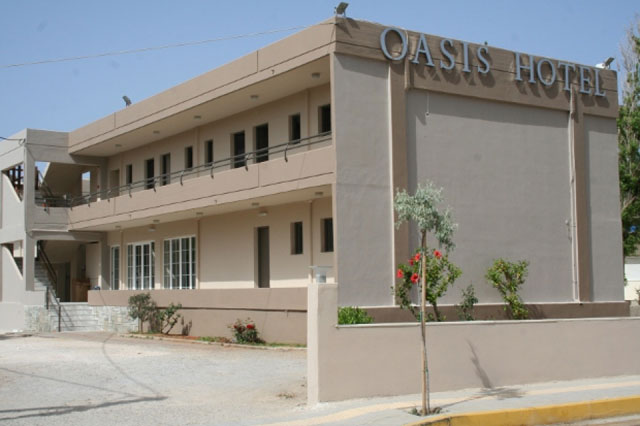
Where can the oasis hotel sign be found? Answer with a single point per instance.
(544, 70)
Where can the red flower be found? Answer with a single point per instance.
(399, 274)
(411, 261)
(437, 254)
(250, 326)
(414, 278)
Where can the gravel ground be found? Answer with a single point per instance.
(102, 379)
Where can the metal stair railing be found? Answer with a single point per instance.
(50, 288)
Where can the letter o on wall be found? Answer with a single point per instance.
(403, 39)
(552, 67)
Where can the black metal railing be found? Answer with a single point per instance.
(51, 299)
(237, 161)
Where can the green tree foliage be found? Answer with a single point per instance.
(507, 277)
(469, 299)
(628, 146)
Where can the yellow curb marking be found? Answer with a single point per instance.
(542, 415)
(361, 411)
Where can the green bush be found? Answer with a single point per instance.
(245, 332)
(353, 315)
(507, 277)
(469, 299)
(143, 308)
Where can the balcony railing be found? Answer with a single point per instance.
(237, 161)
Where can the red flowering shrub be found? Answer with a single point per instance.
(441, 274)
(245, 332)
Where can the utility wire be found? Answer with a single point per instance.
(9, 139)
(167, 46)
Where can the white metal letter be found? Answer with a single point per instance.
(597, 78)
(446, 53)
(552, 67)
(520, 67)
(422, 47)
(584, 79)
(482, 50)
(465, 56)
(567, 74)
(403, 39)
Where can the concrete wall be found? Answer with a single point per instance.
(11, 308)
(505, 173)
(225, 246)
(363, 193)
(604, 208)
(279, 314)
(374, 360)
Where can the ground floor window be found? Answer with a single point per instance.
(115, 267)
(180, 263)
(140, 266)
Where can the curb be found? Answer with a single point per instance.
(547, 414)
(226, 345)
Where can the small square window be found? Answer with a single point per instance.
(296, 238)
(327, 234)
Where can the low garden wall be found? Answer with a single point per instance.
(280, 314)
(384, 359)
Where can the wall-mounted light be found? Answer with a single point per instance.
(152, 228)
(315, 75)
(197, 117)
(263, 212)
(341, 8)
(254, 97)
(318, 193)
(255, 204)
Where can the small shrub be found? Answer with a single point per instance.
(214, 339)
(142, 308)
(170, 317)
(245, 332)
(469, 299)
(507, 277)
(353, 315)
(638, 293)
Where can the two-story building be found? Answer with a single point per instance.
(221, 193)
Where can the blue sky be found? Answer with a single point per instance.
(64, 96)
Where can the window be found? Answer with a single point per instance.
(324, 119)
(327, 234)
(237, 149)
(140, 266)
(180, 263)
(208, 152)
(188, 158)
(150, 174)
(296, 238)
(294, 128)
(166, 169)
(129, 174)
(262, 143)
(115, 267)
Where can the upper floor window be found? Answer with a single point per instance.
(296, 238)
(166, 169)
(294, 128)
(188, 158)
(129, 174)
(237, 149)
(262, 143)
(150, 173)
(324, 119)
(208, 152)
(327, 234)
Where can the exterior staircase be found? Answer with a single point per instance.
(75, 317)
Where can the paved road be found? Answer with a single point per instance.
(101, 379)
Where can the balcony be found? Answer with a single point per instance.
(278, 169)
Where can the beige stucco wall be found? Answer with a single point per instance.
(604, 209)
(225, 245)
(505, 174)
(384, 359)
(362, 194)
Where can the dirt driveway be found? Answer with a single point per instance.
(102, 379)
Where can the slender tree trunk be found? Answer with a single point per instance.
(426, 409)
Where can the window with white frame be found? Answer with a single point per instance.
(180, 263)
(140, 266)
(115, 267)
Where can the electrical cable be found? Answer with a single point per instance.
(167, 46)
